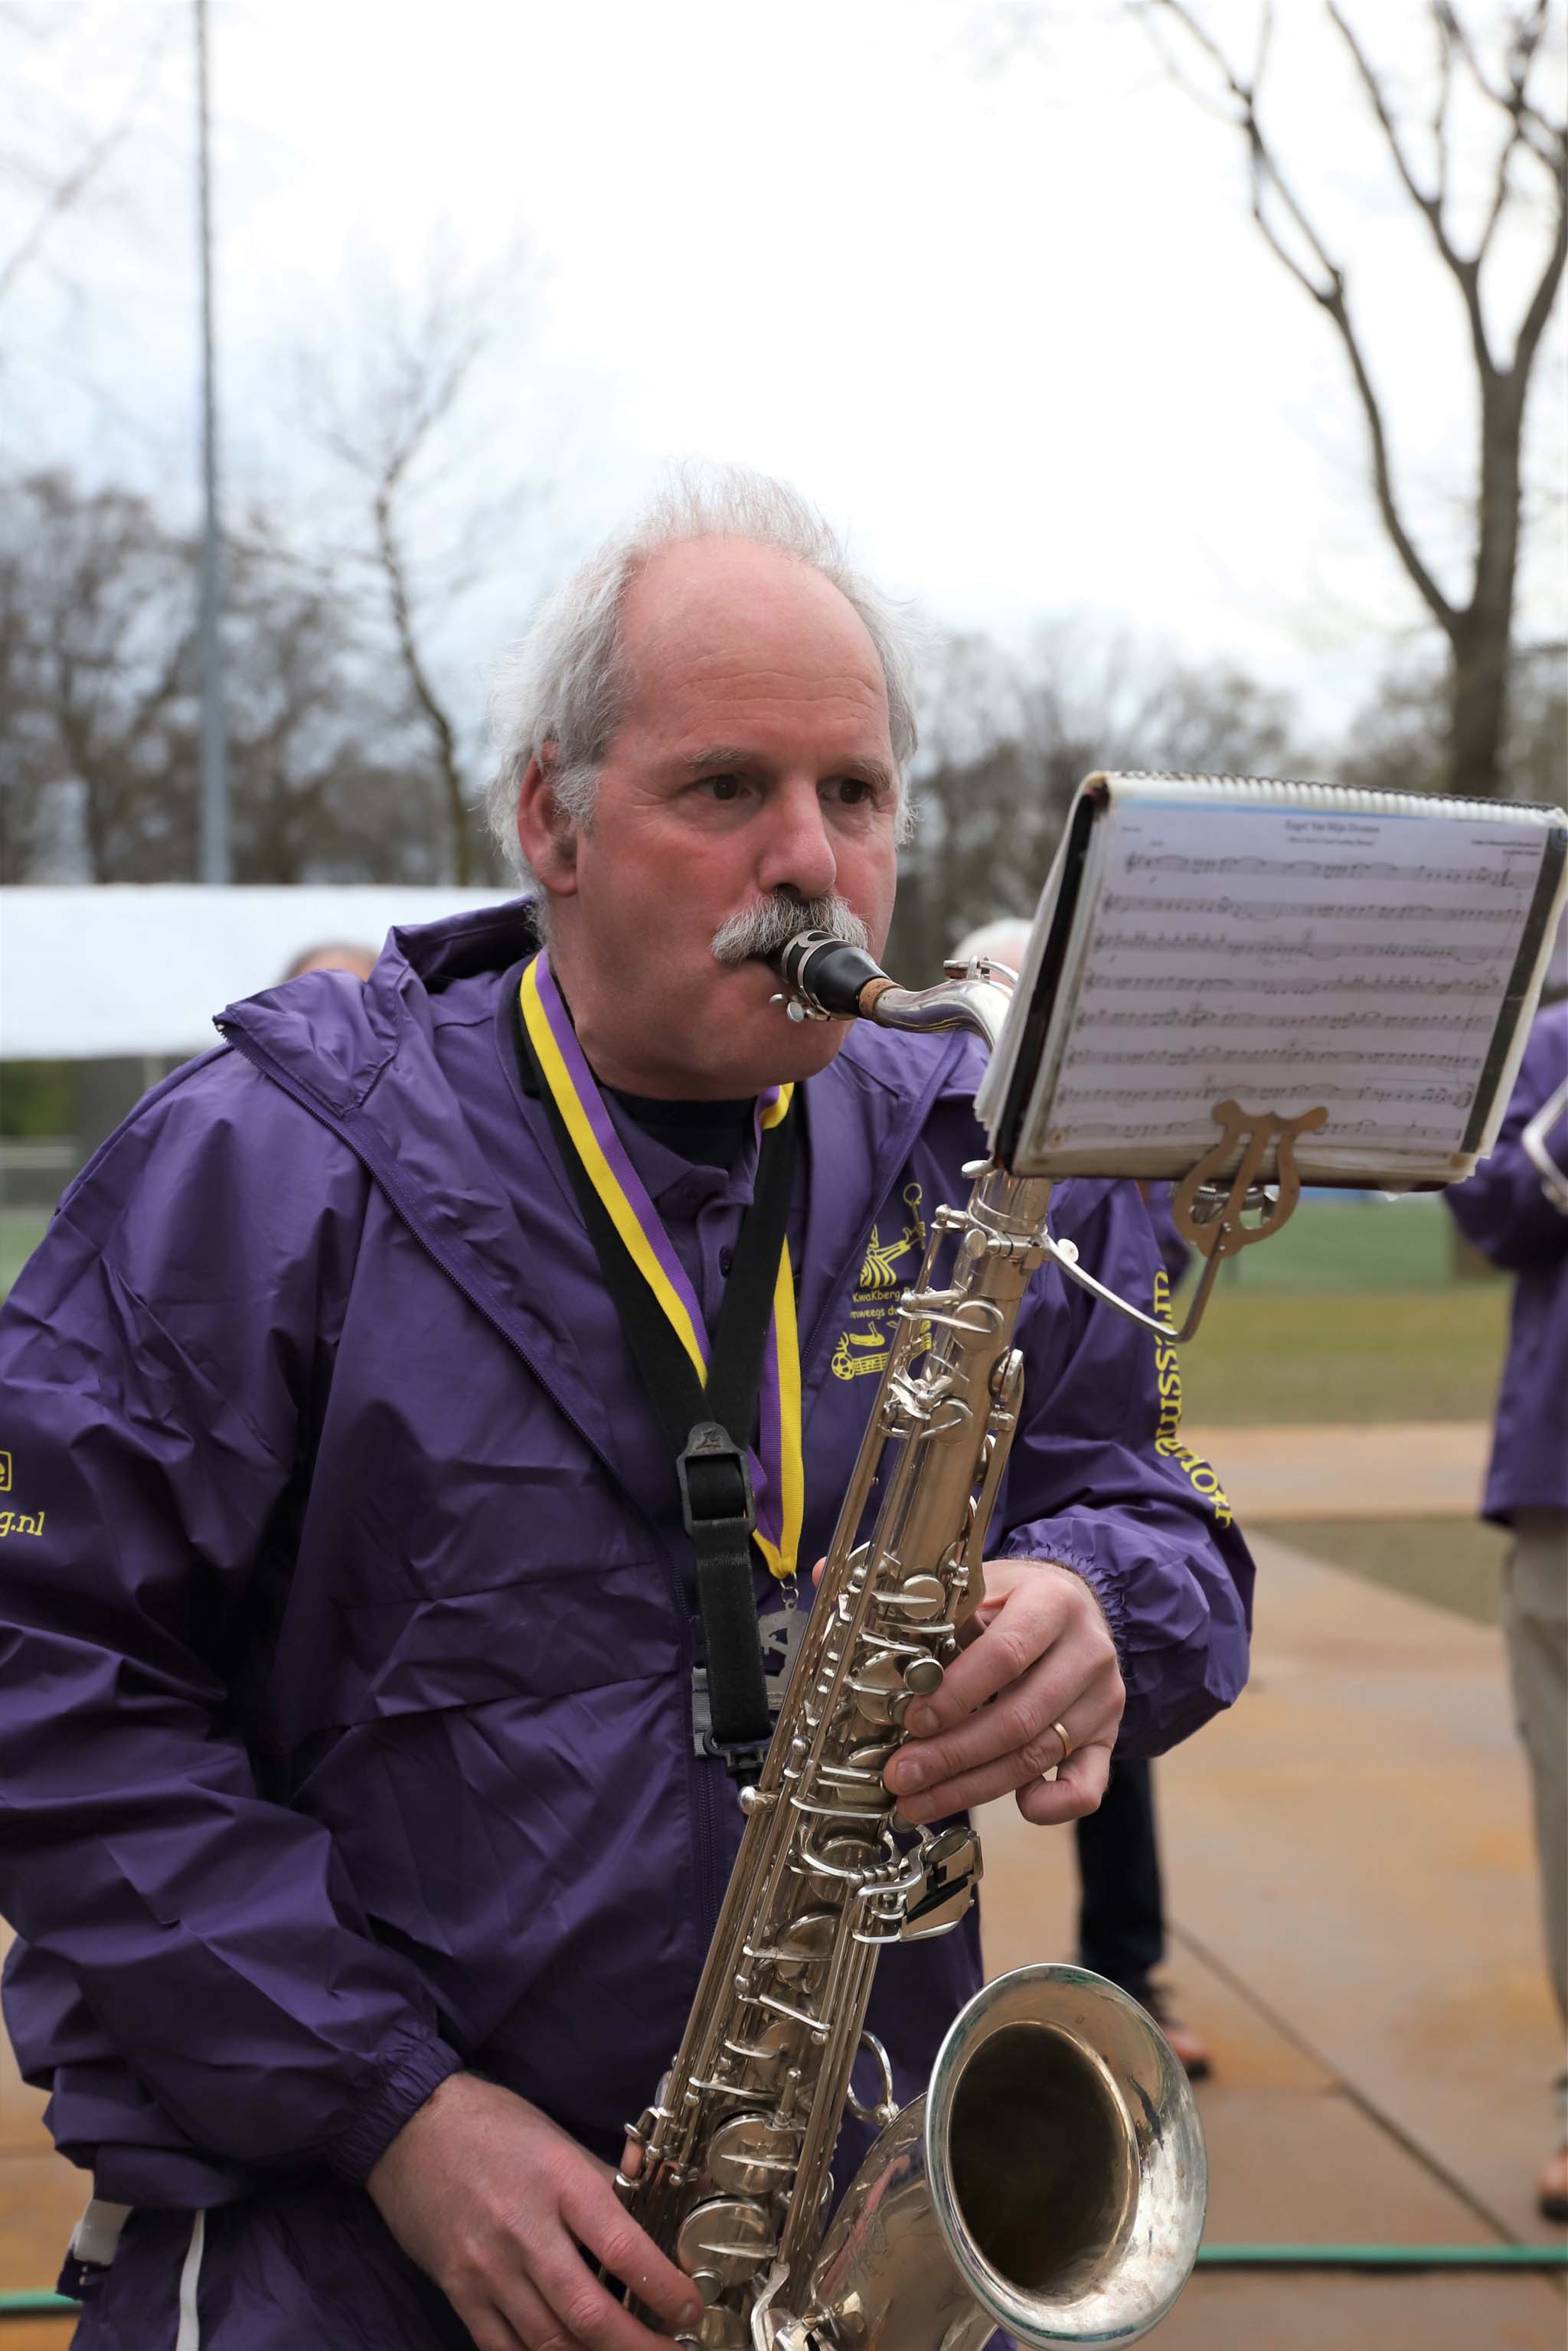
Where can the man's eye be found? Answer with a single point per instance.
(720, 788)
(853, 790)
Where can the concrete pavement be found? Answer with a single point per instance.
(1388, 1470)
(41, 2198)
(1351, 1897)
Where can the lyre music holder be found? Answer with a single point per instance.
(1214, 1219)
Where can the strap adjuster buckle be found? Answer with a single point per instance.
(743, 1760)
(715, 1483)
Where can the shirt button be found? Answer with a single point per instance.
(726, 1259)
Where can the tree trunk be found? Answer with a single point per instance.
(1481, 636)
(1477, 711)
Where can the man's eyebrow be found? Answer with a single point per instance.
(726, 755)
(717, 754)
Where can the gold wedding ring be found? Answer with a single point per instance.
(1061, 1730)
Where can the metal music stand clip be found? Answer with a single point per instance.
(1210, 1215)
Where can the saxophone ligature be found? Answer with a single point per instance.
(1052, 2179)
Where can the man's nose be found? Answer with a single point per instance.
(798, 850)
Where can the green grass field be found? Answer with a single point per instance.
(21, 1230)
(1350, 1244)
(1448, 1563)
(1266, 1356)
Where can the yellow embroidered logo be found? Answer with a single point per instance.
(20, 1523)
(864, 1342)
(4, 1473)
(1167, 1379)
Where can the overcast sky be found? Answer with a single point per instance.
(978, 279)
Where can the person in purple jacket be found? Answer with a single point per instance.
(1515, 1208)
(360, 1849)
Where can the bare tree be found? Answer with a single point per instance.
(99, 713)
(1508, 72)
(98, 625)
(1006, 741)
(397, 419)
(52, 167)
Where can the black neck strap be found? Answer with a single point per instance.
(707, 1427)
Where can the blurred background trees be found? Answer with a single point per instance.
(1477, 135)
(393, 507)
(330, 777)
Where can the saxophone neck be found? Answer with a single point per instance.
(827, 980)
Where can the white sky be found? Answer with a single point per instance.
(996, 308)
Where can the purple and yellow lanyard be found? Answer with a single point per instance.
(777, 1475)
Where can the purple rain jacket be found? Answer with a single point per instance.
(1504, 1211)
(1175, 1255)
(345, 1622)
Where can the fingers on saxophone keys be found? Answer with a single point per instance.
(1021, 1723)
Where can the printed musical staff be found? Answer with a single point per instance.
(1285, 956)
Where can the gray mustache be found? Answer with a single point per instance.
(772, 921)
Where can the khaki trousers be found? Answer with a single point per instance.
(1535, 1620)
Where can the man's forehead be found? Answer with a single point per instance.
(712, 603)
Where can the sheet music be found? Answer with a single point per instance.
(1286, 958)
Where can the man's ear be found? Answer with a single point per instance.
(547, 834)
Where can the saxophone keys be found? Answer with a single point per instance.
(753, 2155)
(764, 2059)
(923, 1676)
(727, 2237)
(878, 1686)
(918, 1598)
(806, 1943)
(718, 2330)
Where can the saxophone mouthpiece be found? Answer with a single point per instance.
(827, 980)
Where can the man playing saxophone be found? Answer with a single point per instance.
(364, 1838)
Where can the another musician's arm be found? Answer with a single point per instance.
(1504, 1210)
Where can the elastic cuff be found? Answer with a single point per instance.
(419, 2069)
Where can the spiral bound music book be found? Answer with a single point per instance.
(1288, 947)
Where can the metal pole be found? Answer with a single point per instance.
(214, 737)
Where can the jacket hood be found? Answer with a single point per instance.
(333, 1037)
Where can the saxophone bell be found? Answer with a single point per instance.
(1051, 2181)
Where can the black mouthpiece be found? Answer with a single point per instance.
(826, 971)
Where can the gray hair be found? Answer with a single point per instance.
(565, 684)
(1005, 938)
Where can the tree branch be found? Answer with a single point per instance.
(396, 575)
(1540, 135)
(1466, 272)
(1332, 298)
(1545, 294)
(76, 182)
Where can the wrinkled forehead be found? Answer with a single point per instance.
(723, 618)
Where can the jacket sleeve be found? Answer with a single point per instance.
(1101, 1480)
(159, 1356)
(1504, 1209)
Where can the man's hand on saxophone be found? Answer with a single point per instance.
(1039, 1654)
(498, 2206)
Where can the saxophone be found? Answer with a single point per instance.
(1052, 2179)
